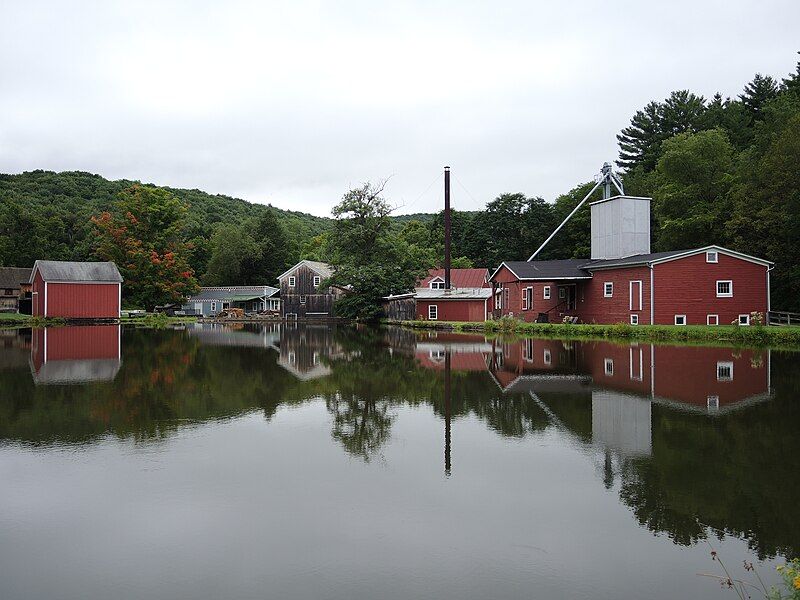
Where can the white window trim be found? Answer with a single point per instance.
(608, 367)
(547, 357)
(546, 292)
(433, 312)
(292, 281)
(709, 317)
(317, 280)
(525, 298)
(634, 319)
(680, 317)
(729, 294)
(213, 307)
(630, 293)
(606, 292)
(746, 319)
(726, 365)
(711, 253)
(712, 403)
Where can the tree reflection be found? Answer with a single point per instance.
(361, 425)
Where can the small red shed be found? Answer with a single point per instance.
(76, 290)
(468, 299)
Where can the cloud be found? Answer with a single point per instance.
(292, 103)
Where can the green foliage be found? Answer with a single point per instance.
(370, 258)
(143, 236)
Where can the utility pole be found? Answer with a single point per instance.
(447, 228)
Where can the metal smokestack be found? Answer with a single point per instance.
(447, 228)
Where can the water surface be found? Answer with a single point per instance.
(321, 462)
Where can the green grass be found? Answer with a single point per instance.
(752, 336)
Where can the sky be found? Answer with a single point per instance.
(293, 103)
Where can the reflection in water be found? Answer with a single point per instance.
(73, 355)
(691, 439)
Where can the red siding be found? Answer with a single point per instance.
(593, 307)
(38, 296)
(689, 286)
(630, 366)
(698, 381)
(83, 300)
(74, 343)
(455, 310)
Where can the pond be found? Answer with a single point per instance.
(320, 462)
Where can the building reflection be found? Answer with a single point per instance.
(75, 355)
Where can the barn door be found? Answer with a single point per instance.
(636, 295)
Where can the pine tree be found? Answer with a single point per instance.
(791, 83)
(757, 93)
(638, 143)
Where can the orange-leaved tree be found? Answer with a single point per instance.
(143, 235)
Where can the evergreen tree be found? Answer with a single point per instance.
(757, 94)
(638, 143)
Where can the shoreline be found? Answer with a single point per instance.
(752, 335)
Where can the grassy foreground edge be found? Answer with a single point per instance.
(751, 335)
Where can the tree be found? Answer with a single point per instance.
(694, 176)
(757, 94)
(273, 243)
(369, 258)
(233, 252)
(143, 236)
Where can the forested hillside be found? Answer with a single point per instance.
(721, 171)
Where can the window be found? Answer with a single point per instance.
(712, 256)
(292, 281)
(608, 289)
(546, 292)
(724, 371)
(292, 357)
(500, 298)
(712, 319)
(302, 299)
(744, 319)
(317, 280)
(609, 366)
(680, 319)
(527, 350)
(712, 402)
(315, 358)
(527, 298)
(213, 307)
(562, 293)
(548, 358)
(725, 289)
(437, 355)
(634, 319)
(433, 312)
(437, 283)
(256, 305)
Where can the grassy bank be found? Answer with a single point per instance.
(11, 320)
(751, 336)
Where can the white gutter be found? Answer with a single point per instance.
(652, 296)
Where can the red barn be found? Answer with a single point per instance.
(704, 286)
(623, 282)
(468, 299)
(76, 290)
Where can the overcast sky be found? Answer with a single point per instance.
(294, 102)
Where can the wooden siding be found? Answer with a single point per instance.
(319, 301)
(594, 307)
(454, 310)
(37, 289)
(83, 300)
(400, 309)
(688, 286)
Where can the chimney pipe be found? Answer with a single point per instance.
(447, 228)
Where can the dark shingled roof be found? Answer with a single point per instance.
(549, 269)
(62, 270)
(636, 259)
(11, 277)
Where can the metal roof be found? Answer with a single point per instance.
(460, 278)
(454, 294)
(11, 277)
(323, 269)
(239, 293)
(62, 270)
